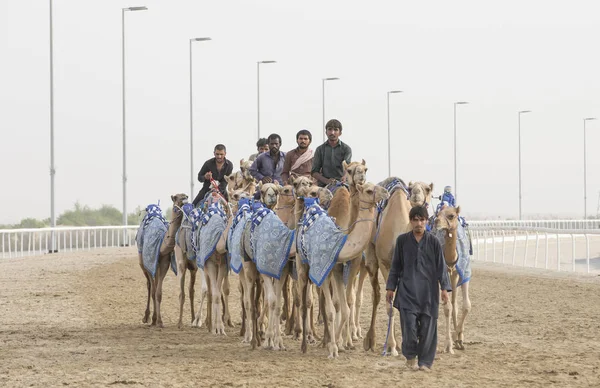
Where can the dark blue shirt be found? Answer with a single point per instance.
(418, 272)
(265, 165)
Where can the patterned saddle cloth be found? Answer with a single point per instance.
(319, 241)
(463, 244)
(149, 238)
(236, 232)
(271, 242)
(210, 229)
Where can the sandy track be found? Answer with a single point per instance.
(74, 319)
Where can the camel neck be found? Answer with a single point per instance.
(359, 236)
(450, 254)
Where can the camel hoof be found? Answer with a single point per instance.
(180, 325)
(448, 349)
(459, 345)
(368, 343)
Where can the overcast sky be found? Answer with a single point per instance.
(501, 56)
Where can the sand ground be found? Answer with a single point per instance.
(74, 319)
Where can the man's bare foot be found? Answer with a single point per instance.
(425, 368)
(412, 364)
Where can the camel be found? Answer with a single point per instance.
(368, 196)
(154, 283)
(272, 286)
(446, 223)
(185, 259)
(241, 180)
(391, 222)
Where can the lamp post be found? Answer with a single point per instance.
(258, 95)
(326, 79)
(52, 168)
(192, 118)
(388, 131)
(520, 197)
(455, 184)
(585, 169)
(123, 10)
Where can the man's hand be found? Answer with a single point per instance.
(444, 296)
(332, 181)
(267, 179)
(208, 176)
(389, 296)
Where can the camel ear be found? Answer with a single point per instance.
(173, 198)
(259, 186)
(410, 184)
(364, 163)
(458, 210)
(277, 184)
(241, 162)
(359, 188)
(291, 180)
(344, 165)
(431, 187)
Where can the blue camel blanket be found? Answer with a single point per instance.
(234, 239)
(271, 242)
(319, 241)
(211, 228)
(149, 238)
(463, 265)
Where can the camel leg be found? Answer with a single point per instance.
(466, 308)
(225, 295)
(286, 298)
(212, 271)
(326, 333)
(372, 266)
(447, 314)
(392, 344)
(311, 335)
(343, 334)
(351, 298)
(221, 265)
(181, 269)
(330, 317)
(209, 310)
(278, 286)
(247, 322)
(358, 301)
(149, 288)
(203, 293)
(296, 329)
(303, 286)
(242, 291)
(269, 298)
(192, 291)
(263, 317)
(252, 283)
(163, 268)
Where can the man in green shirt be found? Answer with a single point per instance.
(327, 163)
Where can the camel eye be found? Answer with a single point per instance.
(451, 216)
(369, 191)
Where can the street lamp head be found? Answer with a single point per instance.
(136, 9)
(461, 103)
(395, 91)
(589, 118)
(267, 62)
(331, 79)
(200, 39)
(524, 111)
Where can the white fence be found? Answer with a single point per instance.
(552, 224)
(28, 242)
(576, 250)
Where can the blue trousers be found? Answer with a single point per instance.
(419, 337)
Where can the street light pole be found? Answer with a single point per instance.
(585, 169)
(520, 196)
(455, 183)
(258, 96)
(192, 119)
(388, 131)
(323, 88)
(123, 10)
(52, 168)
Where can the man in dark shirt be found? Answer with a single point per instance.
(327, 163)
(215, 168)
(268, 166)
(262, 145)
(418, 272)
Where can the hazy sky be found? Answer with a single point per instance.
(501, 56)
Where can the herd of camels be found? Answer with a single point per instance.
(371, 215)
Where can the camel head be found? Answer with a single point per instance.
(286, 195)
(420, 193)
(178, 201)
(245, 170)
(356, 172)
(369, 194)
(447, 219)
(269, 192)
(238, 194)
(301, 185)
(325, 196)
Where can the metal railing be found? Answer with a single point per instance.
(553, 224)
(29, 242)
(538, 247)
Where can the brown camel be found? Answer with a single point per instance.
(368, 194)
(154, 284)
(447, 222)
(392, 222)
